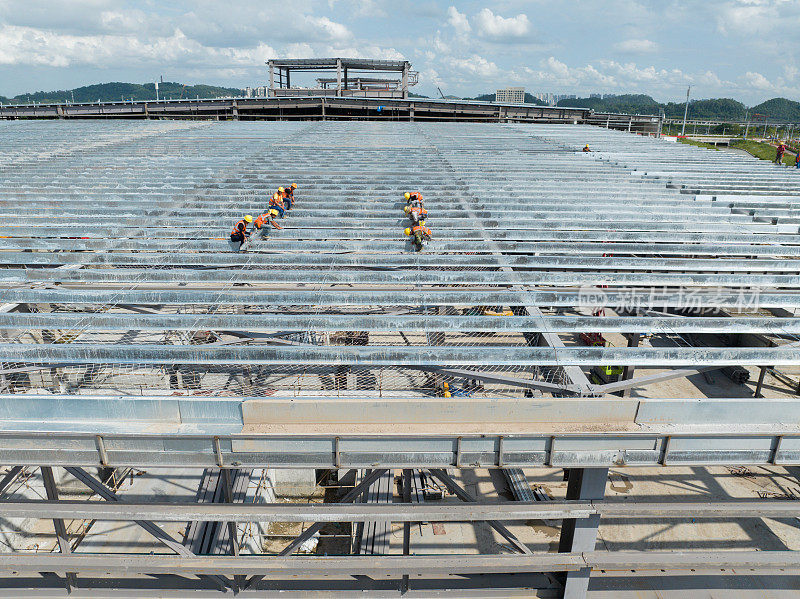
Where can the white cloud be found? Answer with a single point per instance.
(458, 21)
(329, 30)
(30, 46)
(758, 17)
(757, 80)
(636, 46)
(473, 65)
(491, 25)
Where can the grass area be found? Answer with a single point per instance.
(699, 144)
(761, 150)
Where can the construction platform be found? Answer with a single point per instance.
(600, 342)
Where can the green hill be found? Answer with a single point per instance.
(116, 91)
(626, 103)
(780, 109)
(716, 108)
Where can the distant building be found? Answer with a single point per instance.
(510, 95)
(248, 92)
(598, 96)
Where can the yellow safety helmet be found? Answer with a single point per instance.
(447, 394)
(273, 212)
(422, 222)
(281, 190)
(407, 195)
(294, 186)
(248, 218)
(407, 209)
(446, 386)
(407, 231)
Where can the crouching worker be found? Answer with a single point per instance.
(288, 195)
(263, 222)
(276, 203)
(416, 213)
(420, 235)
(240, 232)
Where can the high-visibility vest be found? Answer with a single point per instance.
(260, 220)
(237, 230)
(421, 229)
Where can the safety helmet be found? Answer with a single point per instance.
(281, 190)
(294, 186)
(407, 195)
(446, 385)
(407, 231)
(422, 222)
(248, 218)
(273, 212)
(407, 209)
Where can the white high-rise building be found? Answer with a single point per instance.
(510, 95)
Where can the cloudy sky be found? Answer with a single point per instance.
(748, 49)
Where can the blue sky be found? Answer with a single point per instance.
(747, 49)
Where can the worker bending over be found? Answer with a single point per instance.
(416, 213)
(276, 203)
(420, 235)
(240, 232)
(262, 222)
(413, 197)
(288, 195)
(586, 148)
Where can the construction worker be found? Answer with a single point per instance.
(276, 203)
(779, 152)
(412, 197)
(586, 148)
(261, 222)
(420, 235)
(240, 232)
(288, 195)
(416, 212)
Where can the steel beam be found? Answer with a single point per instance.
(157, 532)
(396, 512)
(642, 298)
(349, 497)
(398, 564)
(464, 495)
(390, 355)
(401, 277)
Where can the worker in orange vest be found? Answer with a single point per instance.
(276, 203)
(240, 232)
(261, 222)
(420, 235)
(413, 197)
(288, 195)
(416, 213)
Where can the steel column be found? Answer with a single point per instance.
(580, 534)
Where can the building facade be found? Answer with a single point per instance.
(510, 95)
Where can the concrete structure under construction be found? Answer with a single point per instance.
(584, 385)
(349, 80)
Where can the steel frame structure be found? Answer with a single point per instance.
(532, 236)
